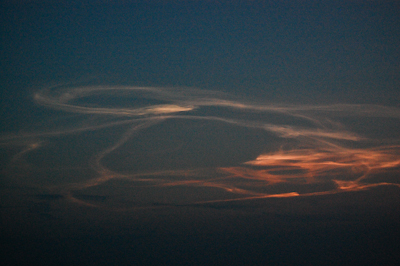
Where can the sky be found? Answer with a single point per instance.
(200, 132)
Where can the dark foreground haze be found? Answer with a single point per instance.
(200, 133)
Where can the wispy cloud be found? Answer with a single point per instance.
(316, 145)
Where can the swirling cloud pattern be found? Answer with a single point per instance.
(156, 147)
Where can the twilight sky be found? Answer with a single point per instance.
(200, 132)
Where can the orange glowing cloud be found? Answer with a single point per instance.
(322, 149)
(348, 168)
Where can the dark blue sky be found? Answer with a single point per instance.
(289, 167)
(312, 51)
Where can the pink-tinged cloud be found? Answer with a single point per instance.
(316, 145)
